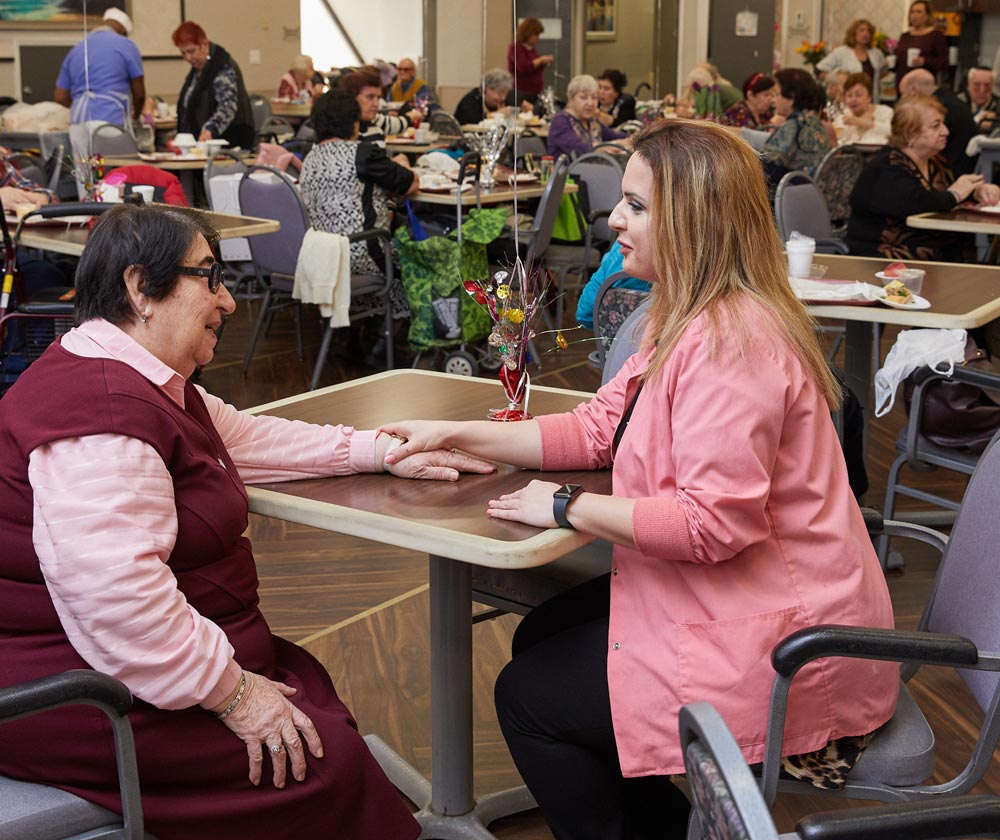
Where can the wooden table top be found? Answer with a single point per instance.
(170, 165)
(291, 109)
(394, 145)
(71, 240)
(502, 193)
(959, 221)
(438, 517)
(962, 296)
(540, 130)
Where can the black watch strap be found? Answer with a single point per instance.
(560, 501)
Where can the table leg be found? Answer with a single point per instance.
(858, 365)
(449, 810)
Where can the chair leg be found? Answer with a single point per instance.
(298, 331)
(258, 328)
(324, 348)
(389, 343)
(889, 508)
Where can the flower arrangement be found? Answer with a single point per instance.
(812, 53)
(883, 42)
(512, 299)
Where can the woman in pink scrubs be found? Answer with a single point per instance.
(731, 514)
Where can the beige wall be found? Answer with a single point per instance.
(632, 49)
(250, 25)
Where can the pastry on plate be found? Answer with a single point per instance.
(896, 292)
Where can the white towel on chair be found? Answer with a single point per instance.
(323, 275)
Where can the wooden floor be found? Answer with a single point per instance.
(362, 608)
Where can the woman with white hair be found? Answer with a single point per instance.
(297, 83)
(576, 130)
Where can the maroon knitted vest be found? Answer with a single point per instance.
(62, 396)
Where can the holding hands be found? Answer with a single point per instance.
(426, 458)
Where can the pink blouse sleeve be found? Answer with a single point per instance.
(103, 554)
(267, 449)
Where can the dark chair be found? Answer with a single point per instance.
(110, 139)
(40, 812)
(727, 804)
(835, 178)
(960, 628)
(615, 309)
(919, 453)
(261, 107)
(445, 124)
(799, 205)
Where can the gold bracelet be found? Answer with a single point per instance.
(226, 712)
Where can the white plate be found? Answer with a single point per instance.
(994, 208)
(522, 178)
(883, 276)
(918, 303)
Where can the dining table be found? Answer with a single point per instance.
(447, 521)
(982, 222)
(60, 237)
(502, 193)
(961, 296)
(186, 167)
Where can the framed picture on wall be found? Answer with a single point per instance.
(601, 22)
(54, 14)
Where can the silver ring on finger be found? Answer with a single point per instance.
(276, 749)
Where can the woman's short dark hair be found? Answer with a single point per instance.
(153, 239)
(334, 115)
(757, 83)
(616, 77)
(528, 27)
(801, 88)
(358, 80)
(862, 79)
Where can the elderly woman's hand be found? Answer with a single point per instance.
(965, 185)
(265, 715)
(440, 465)
(987, 194)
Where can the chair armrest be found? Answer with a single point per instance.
(823, 640)
(878, 527)
(594, 215)
(970, 376)
(88, 687)
(373, 233)
(832, 246)
(939, 817)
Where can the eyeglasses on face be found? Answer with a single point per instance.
(214, 273)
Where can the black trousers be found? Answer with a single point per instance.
(555, 712)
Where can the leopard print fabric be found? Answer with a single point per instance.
(827, 768)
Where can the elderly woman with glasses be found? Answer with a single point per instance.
(576, 130)
(123, 513)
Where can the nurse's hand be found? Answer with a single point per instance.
(531, 505)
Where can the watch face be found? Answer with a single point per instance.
(567, 491)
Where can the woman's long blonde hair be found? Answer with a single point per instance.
(710, 210)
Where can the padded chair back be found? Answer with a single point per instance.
(548, 208)
(625, 331)
(531, 144)
(261, 111)
(445, 124)
(110, 139)
(600, 178)
(269, 194)
(233, 165)
(836, 177)
(725, 797)
(799, 205)
(966, 595)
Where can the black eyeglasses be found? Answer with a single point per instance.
(214, 273)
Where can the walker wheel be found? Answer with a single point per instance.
(460, 363)
(490, 359)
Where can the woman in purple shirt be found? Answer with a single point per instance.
(576, 130)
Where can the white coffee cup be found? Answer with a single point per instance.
(800, 256)
(162, 110)
(912, 54)
(145, 191)
(420, 135)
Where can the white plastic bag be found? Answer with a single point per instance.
(940, 349)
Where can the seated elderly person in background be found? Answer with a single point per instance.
(801, 141)
(911, 177)
(213, 102)
(494, 94)
(756, 108)
(575, 130)
(123, 516)
(297, 83)
(366, 86)
(957, 117)
(833, 86)
(862, 121)
(408, 87)
(610, 265)
(614, 106)
(346, 182)
(856, 54)
(979, 97)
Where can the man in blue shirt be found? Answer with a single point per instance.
(100, 73)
